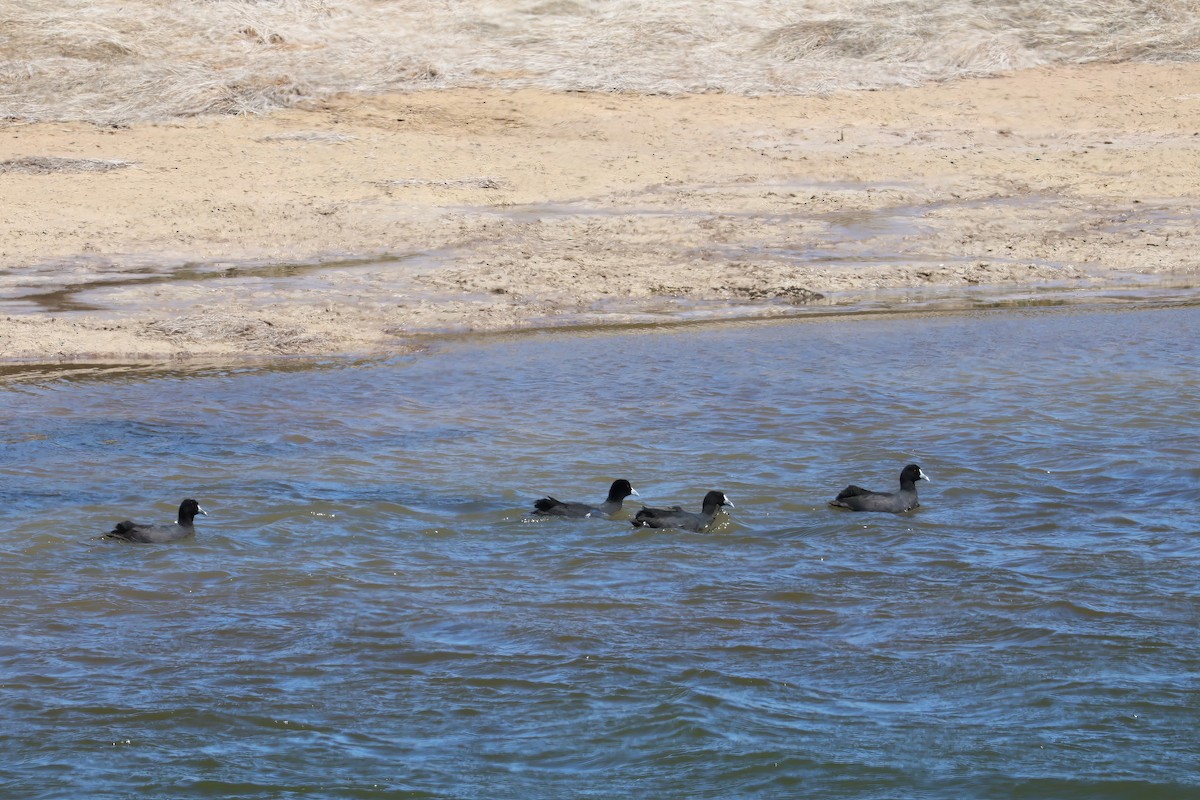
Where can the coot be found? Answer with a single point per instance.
(620, 489)
(142, 532)
(857, 498)
(676, 517)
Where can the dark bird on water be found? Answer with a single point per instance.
(857, 498)
(676, 517)
(144, 532)
(550, 507)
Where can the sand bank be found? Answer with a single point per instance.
(359, 223)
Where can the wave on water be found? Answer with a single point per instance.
(119, 62)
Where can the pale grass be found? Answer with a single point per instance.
(238, 330)
(125, 61)
(309, 136)
(45, 165)
(449, 183)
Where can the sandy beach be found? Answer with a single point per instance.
(357, 224)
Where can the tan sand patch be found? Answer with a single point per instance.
(487, 209)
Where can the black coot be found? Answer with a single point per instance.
(180, 529)
(857, 498)
(620, 489)
(676, 517)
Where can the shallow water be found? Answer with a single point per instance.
(369, 612)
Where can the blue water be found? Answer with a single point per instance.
(369, 611)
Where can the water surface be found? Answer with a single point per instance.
(369, 611)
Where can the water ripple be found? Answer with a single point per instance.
(371, 610)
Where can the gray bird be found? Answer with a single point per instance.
(144, 532)
(551, 507)
(676, 517)
(857, 498)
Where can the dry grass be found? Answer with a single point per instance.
(237, 330)
(309, 136)
(452, 183)
(45, 165)
(119, 62)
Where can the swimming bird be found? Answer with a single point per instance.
(676, 517)
(143, 532)
(857, 498)
(620, 489)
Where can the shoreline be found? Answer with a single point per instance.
(1071, 300)
(355, 226)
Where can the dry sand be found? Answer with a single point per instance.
(361, 223)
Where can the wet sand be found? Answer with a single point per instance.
(358, 224)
